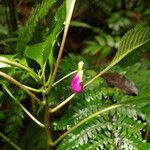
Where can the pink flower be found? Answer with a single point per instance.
(76, 83)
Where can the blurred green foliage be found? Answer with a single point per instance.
(94, 37)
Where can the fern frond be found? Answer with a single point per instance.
(81, 136)
(117, 128)
(87, 103)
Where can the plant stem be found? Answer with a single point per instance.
(43, 70)
(52, 110)
(34, 75)
(46, 123)
(33, 89)
(12, 80)
(46, 116)
(98, 75)
(68, 19)
(64, 77)
(9, 141)
(131, 101)
(23, 108)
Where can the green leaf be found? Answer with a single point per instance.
(56, 30)
(42, 51)
(138, 54)
(100, 40)
(26, 32)
(133, 39)
(100, 127)
(104, 53)
(35, 52)
(110, 40)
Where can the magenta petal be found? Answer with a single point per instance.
(76, 85)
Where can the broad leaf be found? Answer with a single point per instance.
(133, 39)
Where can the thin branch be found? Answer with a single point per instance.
(9, 141)
(64, 77)
(52, 110)
(34, 75)
(98, 75)
(46, 116)
(23, 108)
(12, 80)
(33, 89)
(68, 19)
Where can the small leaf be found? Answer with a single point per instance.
(100, 40)
(110, 40)
(35, 52)
(104, 53)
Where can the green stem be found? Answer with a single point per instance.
(33, 89)
(23, 108)
(9, 141)
(131, 101)
(12, 80)
(52, 110)
(43, 70)
(34, 75)
(98, 75)
(68, 19)
(46, 116)
(64, 77)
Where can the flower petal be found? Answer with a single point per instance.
(76, 84)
